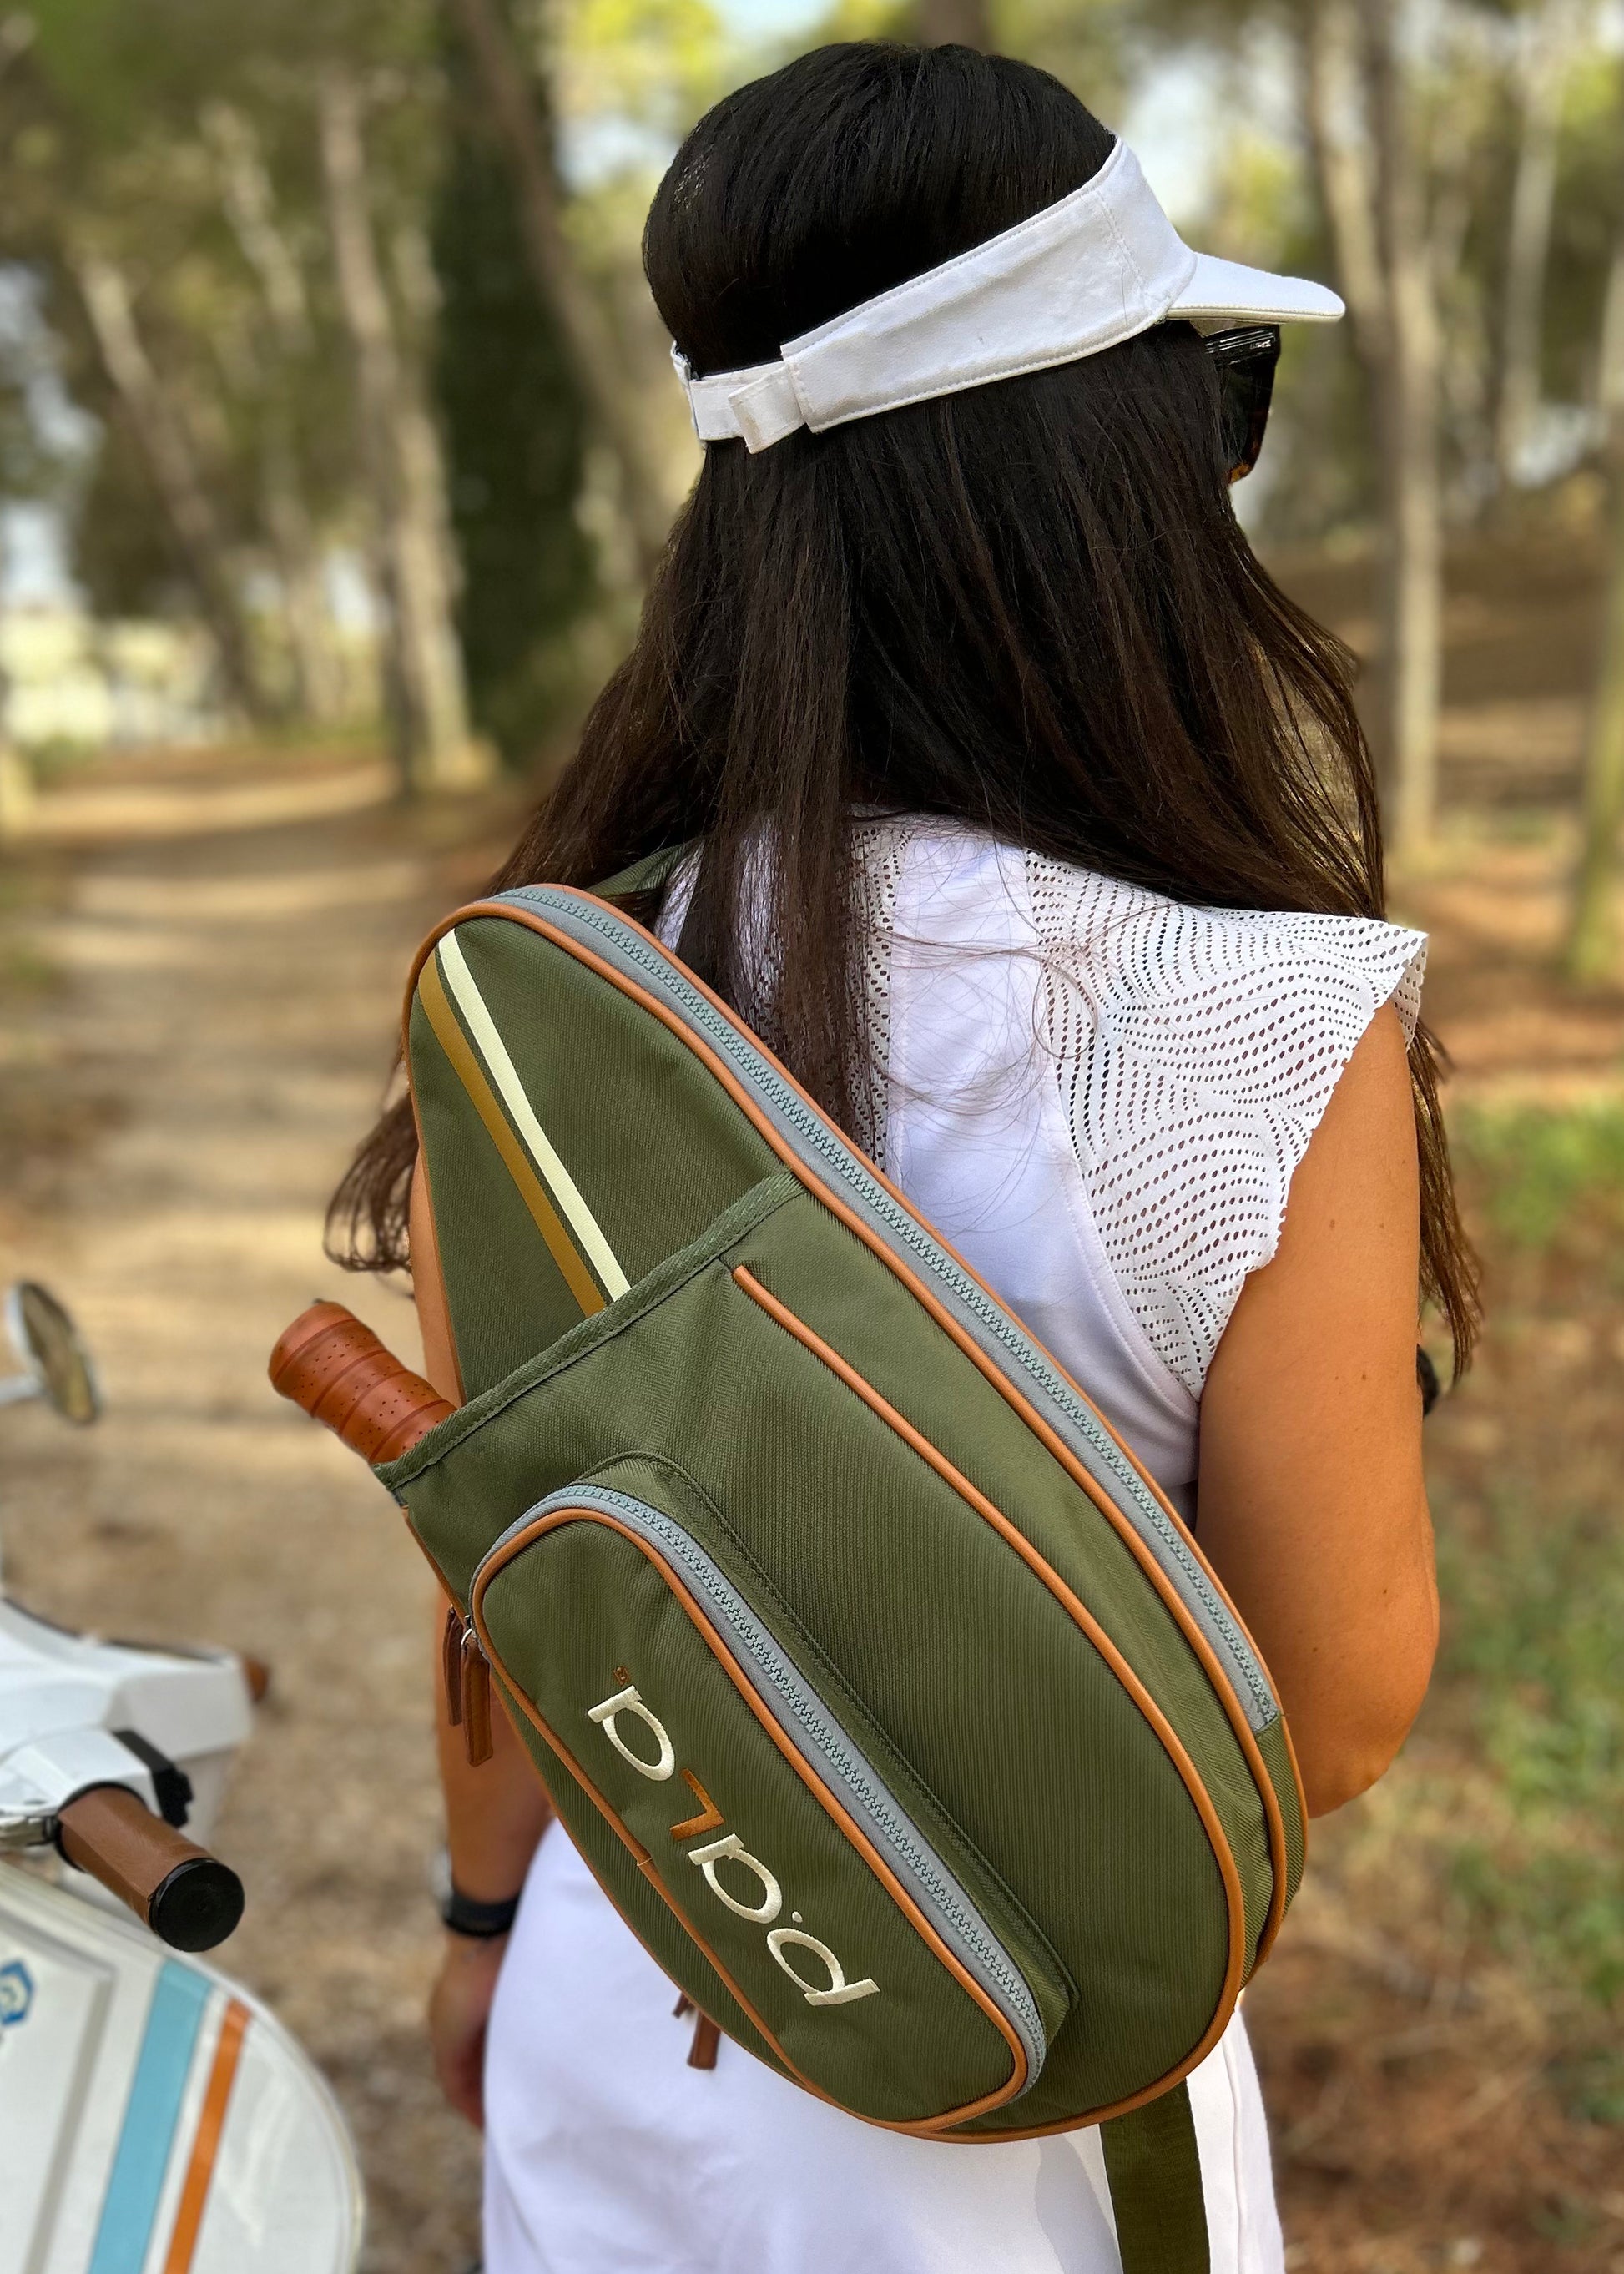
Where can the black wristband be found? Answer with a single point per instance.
(480, 1922)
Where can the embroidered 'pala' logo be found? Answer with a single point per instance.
(761, 1883)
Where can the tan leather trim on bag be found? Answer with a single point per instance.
(428, 1281)
(534, 921)
(443, 1022)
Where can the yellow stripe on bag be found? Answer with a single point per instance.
(562, 1186)
(449, 1036)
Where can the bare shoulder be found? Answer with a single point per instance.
(1340, 1293)
(1372, 1100)
(1358, 1181)
(1312, 1503)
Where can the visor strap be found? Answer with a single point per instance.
(767, 409)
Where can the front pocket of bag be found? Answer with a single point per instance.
(846, 1933)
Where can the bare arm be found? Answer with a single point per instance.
(1313, 1506)
(495, 1814)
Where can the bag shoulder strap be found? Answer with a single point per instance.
(1154, 2170)
(645, 876)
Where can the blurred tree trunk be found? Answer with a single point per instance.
(610, 403)
(1541, 83)
(1609, 346)
(1592, 934)
(1412, 610)
(1365, 142)
(165, 442)
(251, 208)
(1592, 945)
(421, 453)
(1343, 163)
(317, 675)
(954, 24)
(425, 696)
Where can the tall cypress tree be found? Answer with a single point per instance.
(512, 417)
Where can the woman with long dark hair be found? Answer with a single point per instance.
(1035, 829)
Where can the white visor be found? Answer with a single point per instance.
(1098, 267)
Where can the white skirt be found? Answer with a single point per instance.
(606, 2154)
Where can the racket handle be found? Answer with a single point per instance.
(337, 1370)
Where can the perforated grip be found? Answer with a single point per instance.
(336, 1369)
(189, 1898)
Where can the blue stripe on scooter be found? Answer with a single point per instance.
(151, 2114)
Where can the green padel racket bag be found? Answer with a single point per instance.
(890, 1704)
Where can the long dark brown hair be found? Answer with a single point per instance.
(1028, 607)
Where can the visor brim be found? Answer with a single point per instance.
(1227, 290)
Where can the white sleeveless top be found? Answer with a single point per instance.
(1099, 1096)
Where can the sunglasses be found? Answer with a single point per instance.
(1244, 362)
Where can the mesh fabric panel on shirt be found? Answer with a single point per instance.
(881, 847)
(1196, 1050)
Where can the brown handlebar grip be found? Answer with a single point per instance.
(189, 1898)
(336, 1369)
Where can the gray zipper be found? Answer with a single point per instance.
(824, 1746)
(1016, 1357)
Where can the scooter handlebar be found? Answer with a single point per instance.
(336, 1369)
(189, 1898)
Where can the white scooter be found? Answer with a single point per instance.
(154, 2119)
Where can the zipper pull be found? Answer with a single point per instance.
(451, 1664)
(475, 1698)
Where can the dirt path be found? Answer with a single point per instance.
(234, 949)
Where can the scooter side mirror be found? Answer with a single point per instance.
(48, 1342)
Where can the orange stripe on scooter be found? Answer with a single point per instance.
(205, 2145)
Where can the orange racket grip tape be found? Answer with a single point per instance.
(336, 1369)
